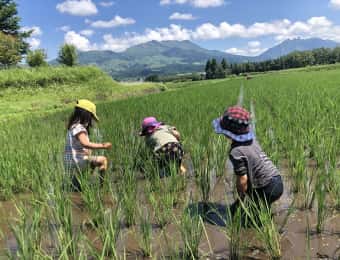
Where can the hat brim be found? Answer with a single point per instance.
(239, 138)
(93, 114)
(144, 131)
(95, 117)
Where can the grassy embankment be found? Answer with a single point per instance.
(47, 89)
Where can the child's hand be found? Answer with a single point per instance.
(107, 145)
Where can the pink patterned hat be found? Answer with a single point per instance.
(149, 124)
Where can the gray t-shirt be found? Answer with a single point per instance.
(248, 158)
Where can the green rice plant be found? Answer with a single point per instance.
(109, 232)
(191, 230)
(93, 198)
(308, 189)
(260, 217)
(28, 231)
(202, 172)
(61, 225)
(162, 204)
(320, 193)
(145, 235)
(127, 196)
(335, 188)
(233, 232)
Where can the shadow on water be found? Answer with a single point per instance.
(213, 213)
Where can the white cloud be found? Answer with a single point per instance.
(106, 4)
(195, 3)
(87, 32)
(236, 51)
(254, 44)
(34, 43)
(335, 4)
(64, 28)
(115, 22)
(181, 16)
(36, 30)
(280, 30)
(320, 27)
(77, 7)
(81, 42)
(253, 49)
(174, 32)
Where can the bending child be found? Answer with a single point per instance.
(256, 175)
(164, 141)
(78, 157)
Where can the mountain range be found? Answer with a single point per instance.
(175, 57)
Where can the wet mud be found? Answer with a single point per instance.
(214, 242)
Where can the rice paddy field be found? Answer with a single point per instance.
(137, 215)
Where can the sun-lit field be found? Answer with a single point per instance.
(137, 214)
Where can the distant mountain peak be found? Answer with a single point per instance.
(173, 57)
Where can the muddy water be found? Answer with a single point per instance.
(214, 242)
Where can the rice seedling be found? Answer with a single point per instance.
(233, 232)
(145, 234)
(259, 215)
(320, 193)
(93, 198)
(28, 231)
(109, 232)
(127, 196)
(191, 230)
(162, 204)
(62, 229)
(202, 172)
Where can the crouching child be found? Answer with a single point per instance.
(256, 175)
(164, 142)
(78, 148)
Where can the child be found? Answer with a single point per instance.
(256, 175)
(164, 141)
(78, 147)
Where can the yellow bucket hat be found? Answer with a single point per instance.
(88, 106)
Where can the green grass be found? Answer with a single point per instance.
(50, 89)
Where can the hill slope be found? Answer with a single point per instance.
(167, 57)
(174, 57)
(289, 46)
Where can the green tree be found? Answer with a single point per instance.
(9, 24)
(68, 55)
(213, 68)
(224, 64)
(220, 72)
(152, 78)
(208, 72)
(36, 58)
(9, 50)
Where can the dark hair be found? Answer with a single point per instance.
(81, 116)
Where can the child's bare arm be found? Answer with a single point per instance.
(242, 184)
(176, 133)
(87, 144)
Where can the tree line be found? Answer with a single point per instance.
(295, 59)
(14, 46)
(215, 70)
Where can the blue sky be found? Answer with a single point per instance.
(246, 27)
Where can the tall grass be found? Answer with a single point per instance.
(46, 76)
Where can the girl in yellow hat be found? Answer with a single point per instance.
(78, 146)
